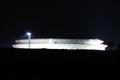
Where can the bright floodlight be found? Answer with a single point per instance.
(28, 33)
(29, 38)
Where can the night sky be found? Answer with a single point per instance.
(65, 19)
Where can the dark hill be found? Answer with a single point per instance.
(17, 62)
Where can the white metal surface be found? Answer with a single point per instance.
(72, 44)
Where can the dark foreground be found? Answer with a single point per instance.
(19, 63)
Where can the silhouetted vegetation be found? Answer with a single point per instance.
(110, 46)
(118, 47)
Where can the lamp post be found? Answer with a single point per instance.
(29, 38)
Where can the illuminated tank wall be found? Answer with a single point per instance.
(87, 44)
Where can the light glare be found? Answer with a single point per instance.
(28, 33)
(89, 44)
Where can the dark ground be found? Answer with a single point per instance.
(19, 64)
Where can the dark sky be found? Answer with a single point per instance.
(65, 19)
